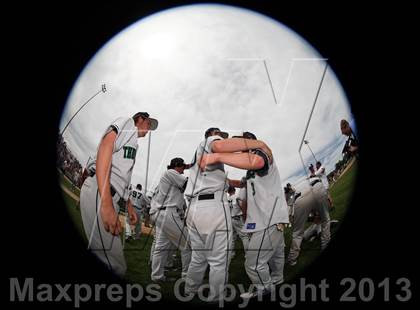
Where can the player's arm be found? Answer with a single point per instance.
(132, 215)
(178, 180)
(103, 172)
(233, 145)
(246, 161)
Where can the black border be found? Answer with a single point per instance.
(51, 43)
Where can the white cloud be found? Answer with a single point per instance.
(177, 65)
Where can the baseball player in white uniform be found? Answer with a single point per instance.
(315, 228)
(106, 188)
(209, 220)
(320, 172)
(314, 199)
(266, 209)
(237, 220)
(169, 228)
(136, 199)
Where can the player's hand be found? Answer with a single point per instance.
(110, 219)
(132, 215)
(206, 159)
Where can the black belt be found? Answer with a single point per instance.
(206, 197)
(162, 208)
(113, 191)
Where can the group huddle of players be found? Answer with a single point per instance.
(200, 215)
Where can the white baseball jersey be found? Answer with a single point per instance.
(123, 155)
(136, 198)
(213, 179)
(323, 176)
(242, 194)
(235, 210)
(266, 203)
(170, 191)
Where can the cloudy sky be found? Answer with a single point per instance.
(202, 66)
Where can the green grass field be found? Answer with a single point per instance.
(67, 183)
(137, 252)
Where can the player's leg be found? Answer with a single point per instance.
(107, 247)
(178, 234)
(161, 249)
(219, 245)
(276, 262)
(218, 259)
(322, 208)
(301, 212)
(310, 231)
(233, 242)
(261, 248)
(239, 224)
(204, 219)
(197, 235)
(325, 231)
(126, 226)
(152, 247)
(137, 228)
(198, 263)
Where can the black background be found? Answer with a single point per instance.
(47, 47)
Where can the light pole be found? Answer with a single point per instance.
(307, 144)
(103, 90)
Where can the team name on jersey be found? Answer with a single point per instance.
(129, 152)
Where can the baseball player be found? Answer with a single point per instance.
(290, 194)
(105, 191)
(208, 219)
(237, 220)
(264, 205)
(351, 147)
(169, 228)
(125, 219)
(320, 173)
(148, 223)
(136, 199)
(315, 228)
(313, 199)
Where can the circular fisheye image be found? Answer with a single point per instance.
(207, 146)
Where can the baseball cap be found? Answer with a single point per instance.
(153, 122)
(223, 134)
(246, 135)
(178, 162)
